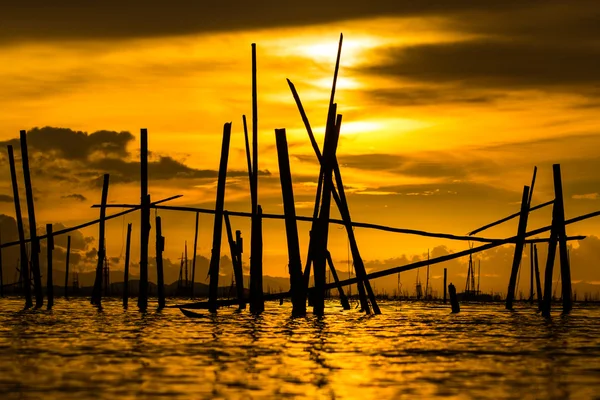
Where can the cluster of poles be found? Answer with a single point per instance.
(330, 187)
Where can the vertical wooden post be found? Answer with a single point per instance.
(160, 247)
(97, 291)
(453, 299)
(547, 304)
(518, 248)
(531, 273)
(49, 280)
(218, 225)
(236, 261)
(24, 264)
(1, 272)
(537, 278)
(321, 234)
(126, 271)
(343, 298)
(194, 255)
(145, 221)
(297, 288)
(445, 283)
(35, 245)
(565, 268)
(67, 266)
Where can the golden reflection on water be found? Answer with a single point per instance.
(413, 350)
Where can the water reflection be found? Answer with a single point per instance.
(412, 350)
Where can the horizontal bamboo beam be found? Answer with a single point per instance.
(93, 222)
(331, 221)
(403, 268)
(515, 215)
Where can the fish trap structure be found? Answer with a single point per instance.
(330, 193)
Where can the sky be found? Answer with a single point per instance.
(447, 107)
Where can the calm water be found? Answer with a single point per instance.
(411, 351)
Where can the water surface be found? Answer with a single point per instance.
(413, 350)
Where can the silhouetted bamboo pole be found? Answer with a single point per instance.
(445, 283)
(49, 280)
(145, 221)
(321, 234)
(67, 266)
(97, 291)
(236, 261)
(521, 230)
(126, 270)
(23, 249)
(453, 299)
(565, 268)
(531, 188)
(538, 282)
(547, 304)
(160, 247)
(340, 288)
(35, 244)
(248, 156)
(1, 272)
(218, 225)
(297, 286)
(531, 274)
(256, 295)
(412, 266)
(195, 253)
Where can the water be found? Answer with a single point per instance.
(411, 351)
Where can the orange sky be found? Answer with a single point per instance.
(445, 116)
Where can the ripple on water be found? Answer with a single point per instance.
(413, 350)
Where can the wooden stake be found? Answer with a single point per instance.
(531, 273)
(160, 247)
(194, 259)
(67, 266)
(453, 299)
(35, 245)
(565, 268)
(522, 229)
(145, 221)
(23, 258)
(236, 261)
(49, 281)
(343, 298)
(297, 286)
(537, 278)
(218, 225)
(257, 303)
(126, 271)
(445, 282)
(97, 291)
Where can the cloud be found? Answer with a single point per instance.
(4, 198)
(75, 196)
(587, 196)
(112, 19)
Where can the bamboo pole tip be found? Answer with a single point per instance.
(23, 132)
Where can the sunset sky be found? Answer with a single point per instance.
(447, 107)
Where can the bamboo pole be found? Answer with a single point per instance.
(49, 280)
(126, 270)
(195, 253)
(297, 286)
(531, 274)
(236, 261)
(412, 266)
(218, 225)
(340, 288)
(547, 304)
(160, 247)
(35, 244)
(505, 219)
(565, 268)
(145, 221)
(445, 283)
(97, 291)
(19, 217)
(67, 266)
(537, 279)
(1, 271)
(521, 230)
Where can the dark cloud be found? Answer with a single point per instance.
(4, 198)
(505, 64)
(69, 19)
(75, 145)
(75, 196)
(421, 96)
